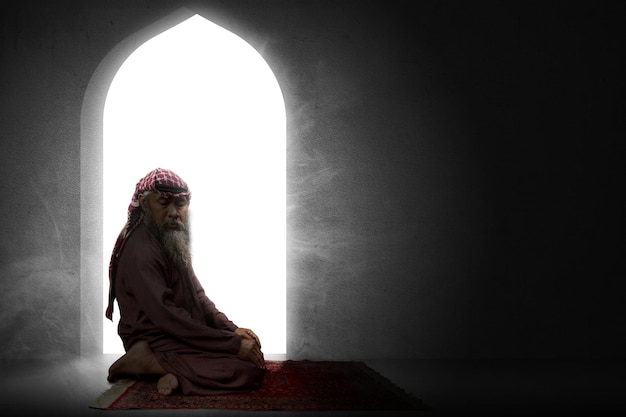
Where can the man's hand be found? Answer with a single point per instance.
(250, 347)
(248, 334)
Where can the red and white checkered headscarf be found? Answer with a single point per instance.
(162, 181)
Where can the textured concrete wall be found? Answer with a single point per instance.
(452, 173)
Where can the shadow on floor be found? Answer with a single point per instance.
(449, 387)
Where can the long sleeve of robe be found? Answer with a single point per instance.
(189, 336)
(213, 316)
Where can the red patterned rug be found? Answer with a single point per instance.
(288, 385)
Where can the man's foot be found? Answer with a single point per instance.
(139, 360)
(167, 384)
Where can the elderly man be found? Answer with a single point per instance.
(169, 327)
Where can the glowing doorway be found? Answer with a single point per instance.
(199, 100)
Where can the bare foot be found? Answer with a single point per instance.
(167, 384)
(138, 360)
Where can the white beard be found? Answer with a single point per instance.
(176, 243)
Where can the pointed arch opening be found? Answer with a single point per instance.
(201, 101)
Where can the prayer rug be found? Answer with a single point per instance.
(288, 385)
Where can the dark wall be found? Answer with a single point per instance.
(453, 172)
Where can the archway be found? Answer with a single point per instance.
(199, 100)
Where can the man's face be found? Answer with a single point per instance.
(169, 213)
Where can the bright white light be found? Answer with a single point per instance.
(202, 102)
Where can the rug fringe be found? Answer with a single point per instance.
(107, 398)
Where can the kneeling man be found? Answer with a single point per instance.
(168, 325)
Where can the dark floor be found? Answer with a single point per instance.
(449, 387)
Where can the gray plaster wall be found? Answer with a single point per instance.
(454, 173)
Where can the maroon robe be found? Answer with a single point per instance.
(188, 335)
